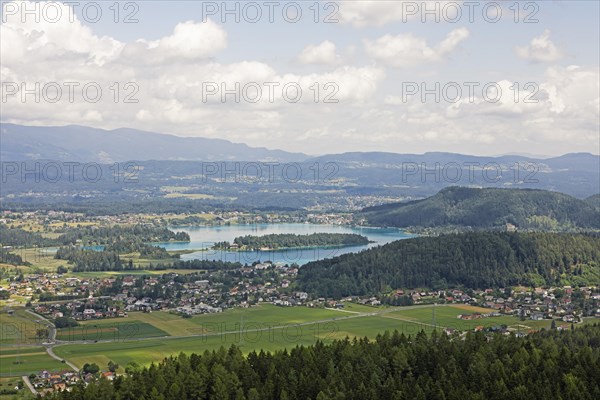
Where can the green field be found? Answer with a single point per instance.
(115, 329)
(447, 317)
(9, 383)
(269, 328)
(8, 351)
(26, 364)
(149, 337)
(20, 327)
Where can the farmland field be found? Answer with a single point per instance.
(19, 328)
(110, 329)
(28, 363)
(269, 328)
(447, 317)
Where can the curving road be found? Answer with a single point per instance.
(51, 342)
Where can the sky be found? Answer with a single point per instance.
(317, 77)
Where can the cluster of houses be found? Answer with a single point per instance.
(48, 381)
(186, 296)
(200, 308)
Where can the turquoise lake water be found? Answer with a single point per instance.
(204, 237)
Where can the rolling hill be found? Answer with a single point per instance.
(476, 260)
(489, 208)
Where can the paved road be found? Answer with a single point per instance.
(52, 340)
(48, 323)
(29, 385)
(50, 351)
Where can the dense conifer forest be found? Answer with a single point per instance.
(473, 260)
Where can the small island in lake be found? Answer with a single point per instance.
(289, 241)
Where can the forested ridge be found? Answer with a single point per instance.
(290, 240)
(547, 365)
(490, 208)
(475, 260)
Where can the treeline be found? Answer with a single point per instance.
(289, 240)
(106, 260)
(146, 251)
(125, 233)
(133, 234)
(473, 260)
(18, 237)
(91, 260)
(7, 257)
(547, 365)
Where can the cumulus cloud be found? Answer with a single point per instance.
(323, 53)
(370, 112)
(406, 50)
(189, 41)
(540, 49)
(365, 13)
(171, 75)
(25, 39)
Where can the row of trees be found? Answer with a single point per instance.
(473, 260)
(6, 257)
(548, 365)
(90, 260)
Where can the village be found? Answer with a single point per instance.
(61, 296)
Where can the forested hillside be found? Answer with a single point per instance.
(594, 201)
(474, 260)
(489, 208)
(546, 365)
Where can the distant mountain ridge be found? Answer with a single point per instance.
(489, 208)
(174, 160)
(85, 144)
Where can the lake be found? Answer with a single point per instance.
(204, 237)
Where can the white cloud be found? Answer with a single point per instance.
(366, 13)
(170, 91)
(370, 113)
(190, 41)
(25, 39)
(362, 13)
(540, 49)
(406, 50)
(323, 53)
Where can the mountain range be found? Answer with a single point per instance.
(172, 160)
(85, 144)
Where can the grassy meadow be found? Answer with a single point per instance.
(269, 327)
